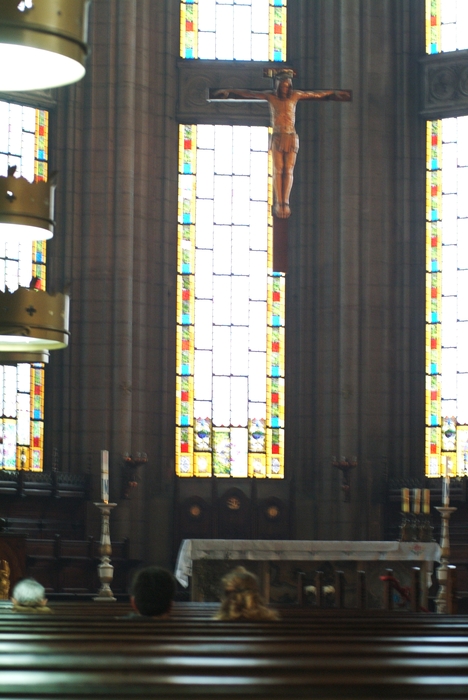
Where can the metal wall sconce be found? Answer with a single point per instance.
(42, 43)
(131, 466)
(345, 465)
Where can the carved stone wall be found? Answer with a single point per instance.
(196, 78)
(444, 79)
(355, 289)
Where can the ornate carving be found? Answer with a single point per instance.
(4, 579)
(272, 512)
(195, 511)
(71, 479)
(7, 475)
(284, 142)
(195, 78)
(38, 477)
(233, 503)
(463, 82)
(196, 89)
(445, 85)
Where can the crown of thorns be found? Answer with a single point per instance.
(279, 73)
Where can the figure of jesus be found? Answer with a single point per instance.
(284, 143)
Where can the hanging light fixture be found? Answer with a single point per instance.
(42, 43)
(13, 358)
(26, 208)
(32, 320)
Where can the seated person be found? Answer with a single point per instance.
(241, 598)
(152, 592)
(29, 596)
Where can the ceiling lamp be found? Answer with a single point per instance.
(14, 358)
(42, 43)
(26, 208)
(32, 320)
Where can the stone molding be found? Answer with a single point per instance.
(444, 83)
(196, 76)
(39, 99)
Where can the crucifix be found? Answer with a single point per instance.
(284, 142)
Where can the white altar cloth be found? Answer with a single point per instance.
(300, 550)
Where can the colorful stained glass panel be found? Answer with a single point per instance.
(446, 25)
(251, 30)
(446, 298)
(24, 143)
(230, 342)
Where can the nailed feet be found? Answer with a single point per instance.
(282, 210)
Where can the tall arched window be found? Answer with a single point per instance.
(447, 265)
(24, 143)
(230, 311)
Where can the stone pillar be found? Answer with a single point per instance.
(114, 142)
(355, 290)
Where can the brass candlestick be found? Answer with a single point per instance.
(105, 568)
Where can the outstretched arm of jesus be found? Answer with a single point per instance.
(228, 93)
(333, 95)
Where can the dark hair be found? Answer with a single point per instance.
(153, 589)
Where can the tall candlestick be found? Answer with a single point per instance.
(405, 505)
(426, 501)
(416, 501)
(446, 491)
(105, 476)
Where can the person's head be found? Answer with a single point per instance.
(152, 591)
(283, 87)
(241, 598)
(29, 593)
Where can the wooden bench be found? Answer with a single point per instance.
(87, 650)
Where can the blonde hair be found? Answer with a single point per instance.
(241, 598)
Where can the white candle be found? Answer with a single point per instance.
(446, 491)
(105, 476)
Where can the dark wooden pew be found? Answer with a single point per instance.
(321, 654)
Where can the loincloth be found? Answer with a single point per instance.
(285, 143)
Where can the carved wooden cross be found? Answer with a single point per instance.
(284, 143)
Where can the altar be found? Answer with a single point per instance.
(277, 562)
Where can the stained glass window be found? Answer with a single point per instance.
(230, 363)
(230, 309)
(446, 25)
(24, 143)
(245, 30)
(447, 264)
(447, 298)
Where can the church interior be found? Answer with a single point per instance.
(307, 385)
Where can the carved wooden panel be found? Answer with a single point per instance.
(234, 515)
(273, 519)
(445, 85)
(13, 550)
(195, 519)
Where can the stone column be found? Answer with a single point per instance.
(114, 142)
(355, 298)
